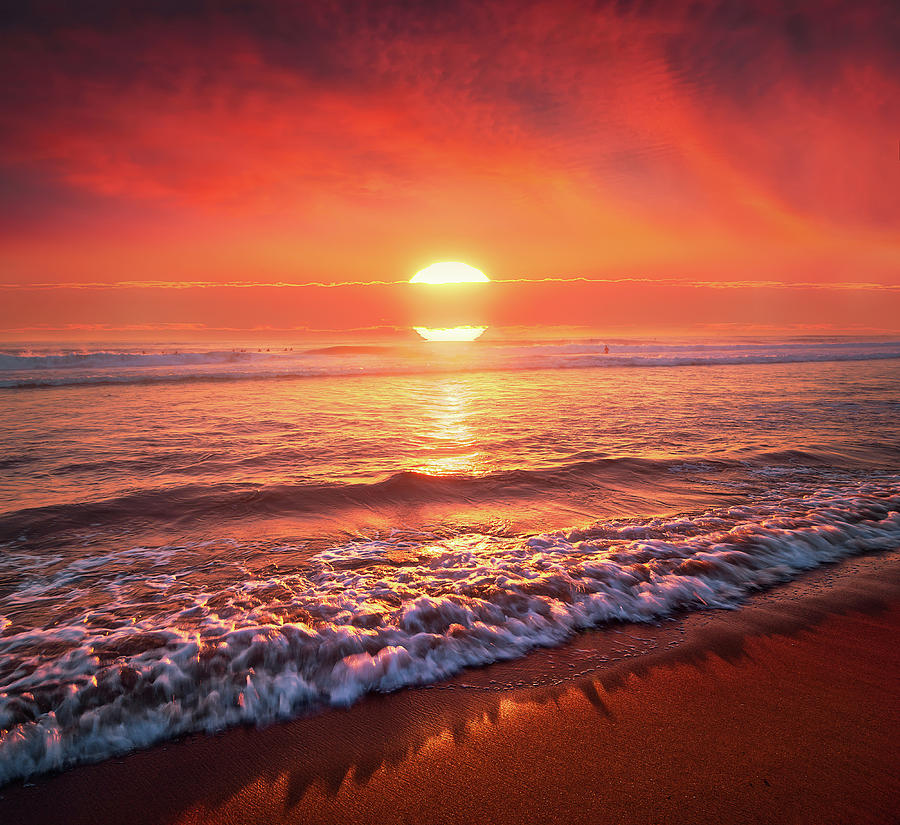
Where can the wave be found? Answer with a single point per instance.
(228, 501)
(33, 371)
(379, 615)
(236, 501)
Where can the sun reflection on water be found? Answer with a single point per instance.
(466, 333)
(449, 438)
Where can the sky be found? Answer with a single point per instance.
(185, 168)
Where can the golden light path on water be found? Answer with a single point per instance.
(449, 432)
(450, 333)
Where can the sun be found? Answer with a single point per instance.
(449, 272)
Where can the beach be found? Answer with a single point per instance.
(783, 711)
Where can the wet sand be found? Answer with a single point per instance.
(787, 710)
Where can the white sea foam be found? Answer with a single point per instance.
(171, 654)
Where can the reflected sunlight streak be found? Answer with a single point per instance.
(451, 433)
(450, 333)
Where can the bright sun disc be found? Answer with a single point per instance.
(449, 272)
(450, 333)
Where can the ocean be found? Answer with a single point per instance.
(196, 537)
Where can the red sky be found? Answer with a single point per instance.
(705, 166)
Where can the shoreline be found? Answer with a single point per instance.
(784, 710)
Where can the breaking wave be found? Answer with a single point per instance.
(173, 655)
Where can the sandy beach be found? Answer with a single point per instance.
(783, 711)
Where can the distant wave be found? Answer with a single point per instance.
(93, 360)
(378, 616)
(351, 349)
(32, 371)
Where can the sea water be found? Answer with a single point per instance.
(193, 537)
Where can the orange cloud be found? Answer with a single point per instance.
(276, 143)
